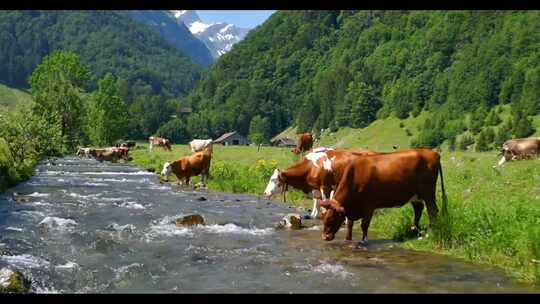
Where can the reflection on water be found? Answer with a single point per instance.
(84, 226)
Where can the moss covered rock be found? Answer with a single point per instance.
(190, 220)
(12, 281)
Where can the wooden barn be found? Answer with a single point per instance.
(231, 139)
(283, 142)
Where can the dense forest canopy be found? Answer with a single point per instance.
(108, 41)
(329, 69)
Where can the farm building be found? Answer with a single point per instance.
(283, 142)
(231, 139)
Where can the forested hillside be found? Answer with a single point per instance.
(109, 42)
(331, 69)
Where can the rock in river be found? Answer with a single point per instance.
(190, 220)
(291, 220)
(12, 281)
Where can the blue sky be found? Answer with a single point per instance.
(241, 18)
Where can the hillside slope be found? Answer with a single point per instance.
(332, 69)
(10, 98)
(106, 40)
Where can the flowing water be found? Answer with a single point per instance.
(79, 226)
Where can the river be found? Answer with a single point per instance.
(80, 226)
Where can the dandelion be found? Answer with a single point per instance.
(273, 163)
(261, 163)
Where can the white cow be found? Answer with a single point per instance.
(197, 145)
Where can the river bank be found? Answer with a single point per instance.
(494, 213)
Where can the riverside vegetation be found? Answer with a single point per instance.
(494, 214)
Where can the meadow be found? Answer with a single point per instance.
(494, 213)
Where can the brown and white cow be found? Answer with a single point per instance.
(160, 142)
(188, 166)
(305, 142)
(318, 173)
(520, 148)
(384, 180)
(197, 145)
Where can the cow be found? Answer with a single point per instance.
(84, 152)
(384, 180)
(520, 148)
(188, 166)
(109, 155)
(160, 142)
(318, 173)
(305, 143)
(197, 145)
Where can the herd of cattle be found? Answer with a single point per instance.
(346, 185)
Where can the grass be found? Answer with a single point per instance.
(10, 98)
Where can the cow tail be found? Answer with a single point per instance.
(444, 197)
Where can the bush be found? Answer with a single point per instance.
(464, 142)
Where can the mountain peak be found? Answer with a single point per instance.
(219, 37)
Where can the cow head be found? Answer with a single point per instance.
(275, 184)
(166, 170)
(333, 218)
(167, 144)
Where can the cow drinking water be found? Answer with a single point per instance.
(383, 181)
(318, 173)
(188, 166)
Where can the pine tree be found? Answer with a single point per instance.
(364, 104)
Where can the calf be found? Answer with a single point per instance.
(318, 173)
(386, 180)
(160, 142)
(305, 142)
(188, 166)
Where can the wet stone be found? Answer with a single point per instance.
(202, 199)
(190, 220)
(12, 281)
(291, 220)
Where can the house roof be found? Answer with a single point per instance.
(225, 136)
(185, 110)
(284, 140)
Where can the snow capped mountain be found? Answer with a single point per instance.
(219, 37)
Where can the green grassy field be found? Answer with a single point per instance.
(10, 98)
(494, 213)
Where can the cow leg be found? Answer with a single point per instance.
(431, 207)
(418, 208)
(316, 208)
(366, 220)
(349, 230)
